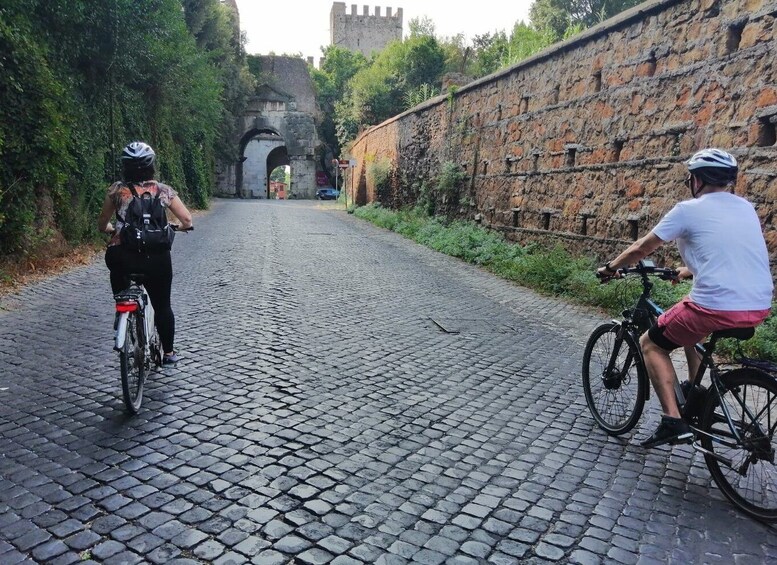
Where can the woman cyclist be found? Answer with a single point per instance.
(138, 169)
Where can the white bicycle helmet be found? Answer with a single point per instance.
(713, 166)
(138, 155)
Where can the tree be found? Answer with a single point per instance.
(558, 15)
(422, 26)
(490, 51)
(378, 91)
(337, 67)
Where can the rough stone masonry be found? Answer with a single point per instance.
(584, 143)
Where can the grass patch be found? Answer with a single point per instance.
(551, 271)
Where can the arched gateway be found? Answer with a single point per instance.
(277, 129)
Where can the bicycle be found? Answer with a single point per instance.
(136, 338)
(733, 422)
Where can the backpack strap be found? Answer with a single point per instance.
(134, 192)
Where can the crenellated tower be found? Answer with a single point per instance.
(363, 32)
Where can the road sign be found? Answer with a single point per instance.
(343, 163)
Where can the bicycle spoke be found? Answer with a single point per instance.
(750, 401)
(611, 379)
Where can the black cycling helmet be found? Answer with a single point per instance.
(137, 155)
(713, 166)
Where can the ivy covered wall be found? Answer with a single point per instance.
(81, 78)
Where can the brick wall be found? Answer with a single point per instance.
(584, 143)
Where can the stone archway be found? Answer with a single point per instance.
(261, 150)
(278, 157)
(281, 114)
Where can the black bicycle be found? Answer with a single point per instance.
(733, 422)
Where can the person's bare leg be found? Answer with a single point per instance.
(694, 361)
(662, 375)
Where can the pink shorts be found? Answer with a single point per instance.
(687, 323)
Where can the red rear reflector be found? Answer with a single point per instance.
(126, 307)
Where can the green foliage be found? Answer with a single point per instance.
(378, 91)
(337, 67)
(450, 178)
(278, 174)
(77, 76)
(551, 271)
(420, 94)
(490, 51)
(422, 26)
(379, 175)
(557, 16)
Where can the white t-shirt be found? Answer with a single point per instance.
(720, 240)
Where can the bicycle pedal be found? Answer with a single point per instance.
(682, 441)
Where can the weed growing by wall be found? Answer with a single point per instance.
(379, 177)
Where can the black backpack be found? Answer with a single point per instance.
(145, 227)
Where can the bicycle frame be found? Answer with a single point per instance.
(636, 321)
(707, 362)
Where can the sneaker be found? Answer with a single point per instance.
(170, 358)
(671, 430)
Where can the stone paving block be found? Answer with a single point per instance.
(340, 427)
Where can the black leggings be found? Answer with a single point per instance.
(158, 271)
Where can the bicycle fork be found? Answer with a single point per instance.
(612, 377)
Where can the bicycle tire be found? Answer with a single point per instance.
(751, 397)
(133, 365)
(615, 403)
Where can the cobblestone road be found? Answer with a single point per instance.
(322, 415)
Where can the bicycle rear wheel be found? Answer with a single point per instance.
(744, 470)
(614, 381)
(133, 367)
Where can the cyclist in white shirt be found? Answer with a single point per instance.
(719, 238)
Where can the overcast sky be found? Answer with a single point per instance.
(302, 26)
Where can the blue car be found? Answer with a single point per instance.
(327, 193)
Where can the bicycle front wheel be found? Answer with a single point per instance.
(133, 368)
(743, 467)
(614, 380)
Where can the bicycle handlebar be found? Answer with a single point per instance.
(643, 268)
(660, 272)
(175, 227)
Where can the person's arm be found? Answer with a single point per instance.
(638, 250)
(104, 220)
(180, 211)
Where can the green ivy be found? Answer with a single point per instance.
(81, 78)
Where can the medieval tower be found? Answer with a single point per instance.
(362, 32)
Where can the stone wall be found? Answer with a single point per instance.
(363, 32)
(584, 143)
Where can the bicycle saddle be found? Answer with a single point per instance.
(736, 333)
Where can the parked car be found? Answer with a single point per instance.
(327, 193)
